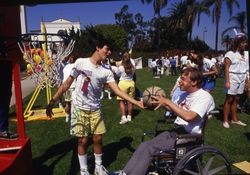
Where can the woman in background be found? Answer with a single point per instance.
(235, 77)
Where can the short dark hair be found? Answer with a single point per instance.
(195, 74)
(100, 41)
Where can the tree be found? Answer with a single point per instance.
(226, 41)
(157, 5)
(134, 26)
(240, 19)
(115, 34)
(216, 13)
(183, 15)
(125, 20)
(199, 45)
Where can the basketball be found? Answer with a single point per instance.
(151, 91)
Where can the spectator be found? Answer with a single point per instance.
(68, 94)
(183, 59)
(173, 66)
(167, 66)
(208, 69)
(154, 67)
(126, 83)
(235, 78)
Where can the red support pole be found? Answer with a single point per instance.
(18, 95)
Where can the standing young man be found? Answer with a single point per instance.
(190, 108)
(86, 116)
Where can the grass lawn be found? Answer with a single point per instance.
(54, 150)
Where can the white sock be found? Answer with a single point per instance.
(83, 161)
(98, 159)
(67, 117)
(129, 117)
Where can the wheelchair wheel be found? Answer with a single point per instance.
(205, 160)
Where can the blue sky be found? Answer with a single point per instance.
(103, 13)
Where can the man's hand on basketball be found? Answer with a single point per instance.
(49, 108)
(160, 100)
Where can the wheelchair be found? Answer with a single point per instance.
(189, 156)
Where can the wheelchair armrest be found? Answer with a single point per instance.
(166, 121)
(214, 112)
(186, 138)
(183, 136)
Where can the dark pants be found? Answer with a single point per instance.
(154, 70)
(173, 70)
(140, 161)
(5, 92)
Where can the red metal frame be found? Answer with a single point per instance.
(17, 161)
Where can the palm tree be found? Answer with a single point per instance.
(226, 41)
(240, 19)
(158, 5)
(216, 13)
(183, 15)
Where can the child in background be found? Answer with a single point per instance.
(126, 83)
(68, 94)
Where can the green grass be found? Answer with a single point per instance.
(54, 150)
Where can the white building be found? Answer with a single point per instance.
(60, 25)
(56, 27)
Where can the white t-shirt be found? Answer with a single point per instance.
(183, 60)
(200, 102)
(166, 63)
(239, 62)
(214, 61)
(153, 64)
(66, 73)
(207, 64)
(98, 76)
(120, 72)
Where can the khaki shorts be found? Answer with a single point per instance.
(127, 86)
(84, 123)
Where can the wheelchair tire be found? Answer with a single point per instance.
(203, 160)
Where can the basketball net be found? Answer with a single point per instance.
(44, 55)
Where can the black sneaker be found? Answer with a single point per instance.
(8, 135)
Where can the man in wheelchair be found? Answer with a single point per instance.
(190, 109)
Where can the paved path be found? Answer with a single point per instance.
(27, 86)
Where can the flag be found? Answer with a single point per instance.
(44, 37)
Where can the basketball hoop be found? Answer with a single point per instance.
(44, 54)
